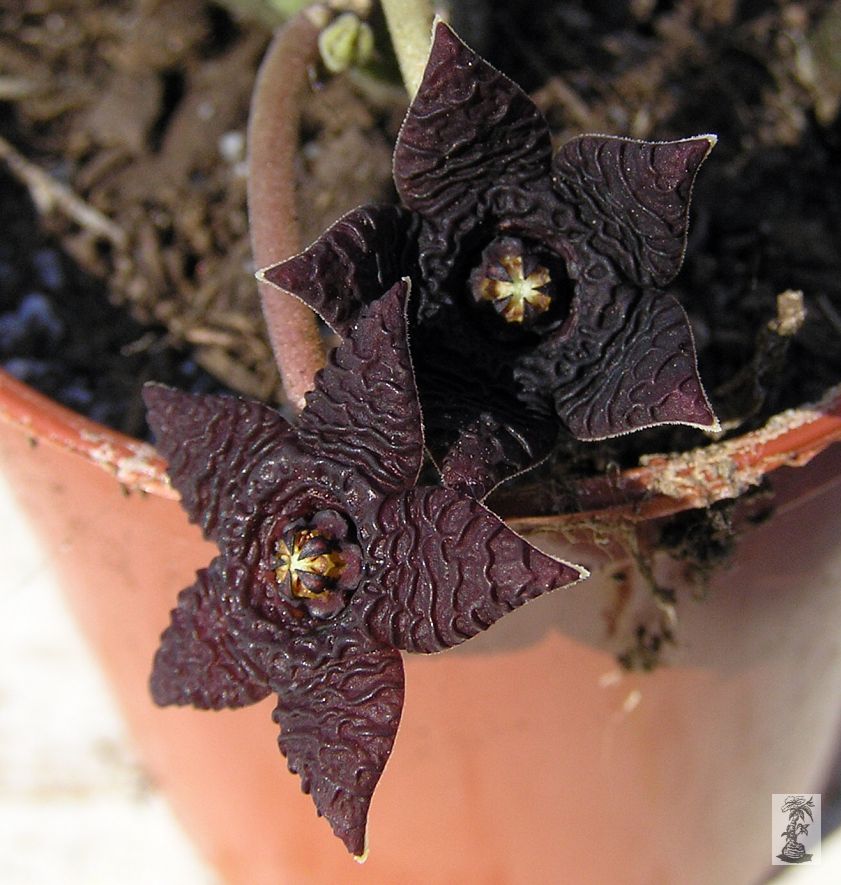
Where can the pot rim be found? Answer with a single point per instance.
(136, 465)
(663, 484)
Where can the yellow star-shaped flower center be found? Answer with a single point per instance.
(311, 566)
(520, 295)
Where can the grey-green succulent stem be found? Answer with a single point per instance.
(410, 25)
(273, 132)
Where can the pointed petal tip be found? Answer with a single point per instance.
(704, 417)
(709, 139)
(158, 396)
(441, 30)
(282, 276)
(706, 143)
(573, 573)
(583, 573)
(395, 298)
(402, 289)
(694, 151)
(697, 415)
(167, 405)
(713, 427)
(272, 275)
(699, 412)
(355, 840)
(709, 423)
(152, 391)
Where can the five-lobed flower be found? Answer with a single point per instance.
(539, 279)
(331, 560)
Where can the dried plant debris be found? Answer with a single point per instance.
(706, 539)
(647, 649)
(743, 396)
(331, 560)
(137, 111)
(539, 278)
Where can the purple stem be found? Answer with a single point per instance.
(273, 133)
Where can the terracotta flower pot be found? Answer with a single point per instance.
(526, 755)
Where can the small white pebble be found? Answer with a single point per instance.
(232, 146)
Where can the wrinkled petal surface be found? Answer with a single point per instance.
(447, 569)
(471, 139)
(629, 365)
(211, 443)
(351, 264)
(338, 709)
(632, 200)
(201, 659)
(363, 414)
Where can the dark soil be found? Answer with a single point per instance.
(139, 107)
(60, 333)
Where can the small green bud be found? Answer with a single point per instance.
(346, 42)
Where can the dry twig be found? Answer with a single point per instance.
(50, 195)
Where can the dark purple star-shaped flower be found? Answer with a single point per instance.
(330, 560)
(539, 278)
